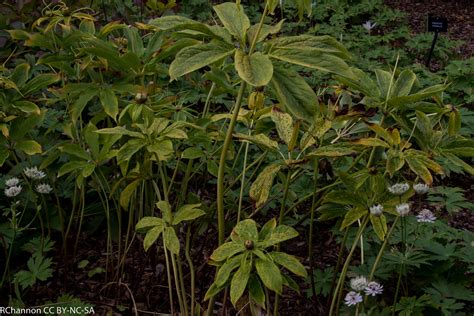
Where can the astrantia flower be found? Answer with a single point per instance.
(13, 191)
(373, 288)
(352, 298)
(34, 173)
(12, 182)
(399, 188)
(425, 216)
(403, 209)
(44, 188)
(376, 210)
(358, 283)
(421, 188)
(368, 25)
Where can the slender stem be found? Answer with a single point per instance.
(397, 289)
(382, 249)
(170, 286)
(338, 264)
(342, 277)
(191, 267)
(221, 172)
(311, 228)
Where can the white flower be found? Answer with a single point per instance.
(368, 25)
(421, 188)
(399, 188)
(34, 173)
(425, 216)
(352, 298)
(403, 209)
(12, 182)
(376, 210)
(44, 188)
(13, 191)
(358, 283)
(373, 288)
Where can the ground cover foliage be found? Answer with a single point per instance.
(248, 157)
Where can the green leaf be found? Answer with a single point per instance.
(454, 123)
(284, 124)
(259, 139)
(109, 102)
(289, 262)
(260, 189)
(39, 82)
(165, 209)
(163, 149)
(404, 83)
(20, 74)
(4, 153)
(395, 161)
(322, 44)
(256, 290)
(278, 235)
(418, 167)
(148, 222)
(213, 291)
(81, 102)
(233, 18)
(195, 57)
(352, 216)
(75, 150)
(336, 150)
(267, 229)
(27, 107)
(192, 153)
(399, 101)
(312, 58)
(120, 130)
(264, 31)
(225, 270)
(29, 147)
(151, 236)
(371, 142)
(126, 194)
(294, 94)
(256, 69)
(134, 41)
(379, 224)
(239, 281)
(245, 230)
(129, 149)
(227, 250)
(170, 240)
(70, 166)
(269, 274)
(187, 212)
(384, 79)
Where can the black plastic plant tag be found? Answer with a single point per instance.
(437, 24)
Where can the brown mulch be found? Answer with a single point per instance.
(460, 15)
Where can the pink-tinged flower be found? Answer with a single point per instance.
(399, 188)
(403, 209)
(13, 191)
(352, 298)
(12, 182)
(373, 288)
(34, 173)
(358, 283)
(425, 216)
(421, 188)
(376, 210)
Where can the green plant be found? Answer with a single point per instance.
(254, 265)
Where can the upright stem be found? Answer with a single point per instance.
(345, 267)
(280, 221)
(168, 274)
(311, 226)
(221, 172)
(191, 267)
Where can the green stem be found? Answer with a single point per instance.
(168, 274)
(221, 172)
(311, 228)
(191, 267)
(342, 277)
(280, 222)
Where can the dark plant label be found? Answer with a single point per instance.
(437, 24)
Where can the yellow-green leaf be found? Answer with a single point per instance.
(289, 262)
(352, 216)
(283, 123)
(260, 189)
(379, 224)
(371, 141)
(233, 18)
(151, 236)
(170, 240)
(227, 250)
(269, 274)
(29, 147)
(126, 194)
(239, 281)
(256, 69)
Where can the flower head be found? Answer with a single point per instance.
(425, 216)
(44, 188)
(403, 209)
(13, 191)
(352, 298)
(34, 173)
(421, 188)
(373, 288)
(12, 182)
(368, 25)
(358, 283)
(399, 188)
(376, 210)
